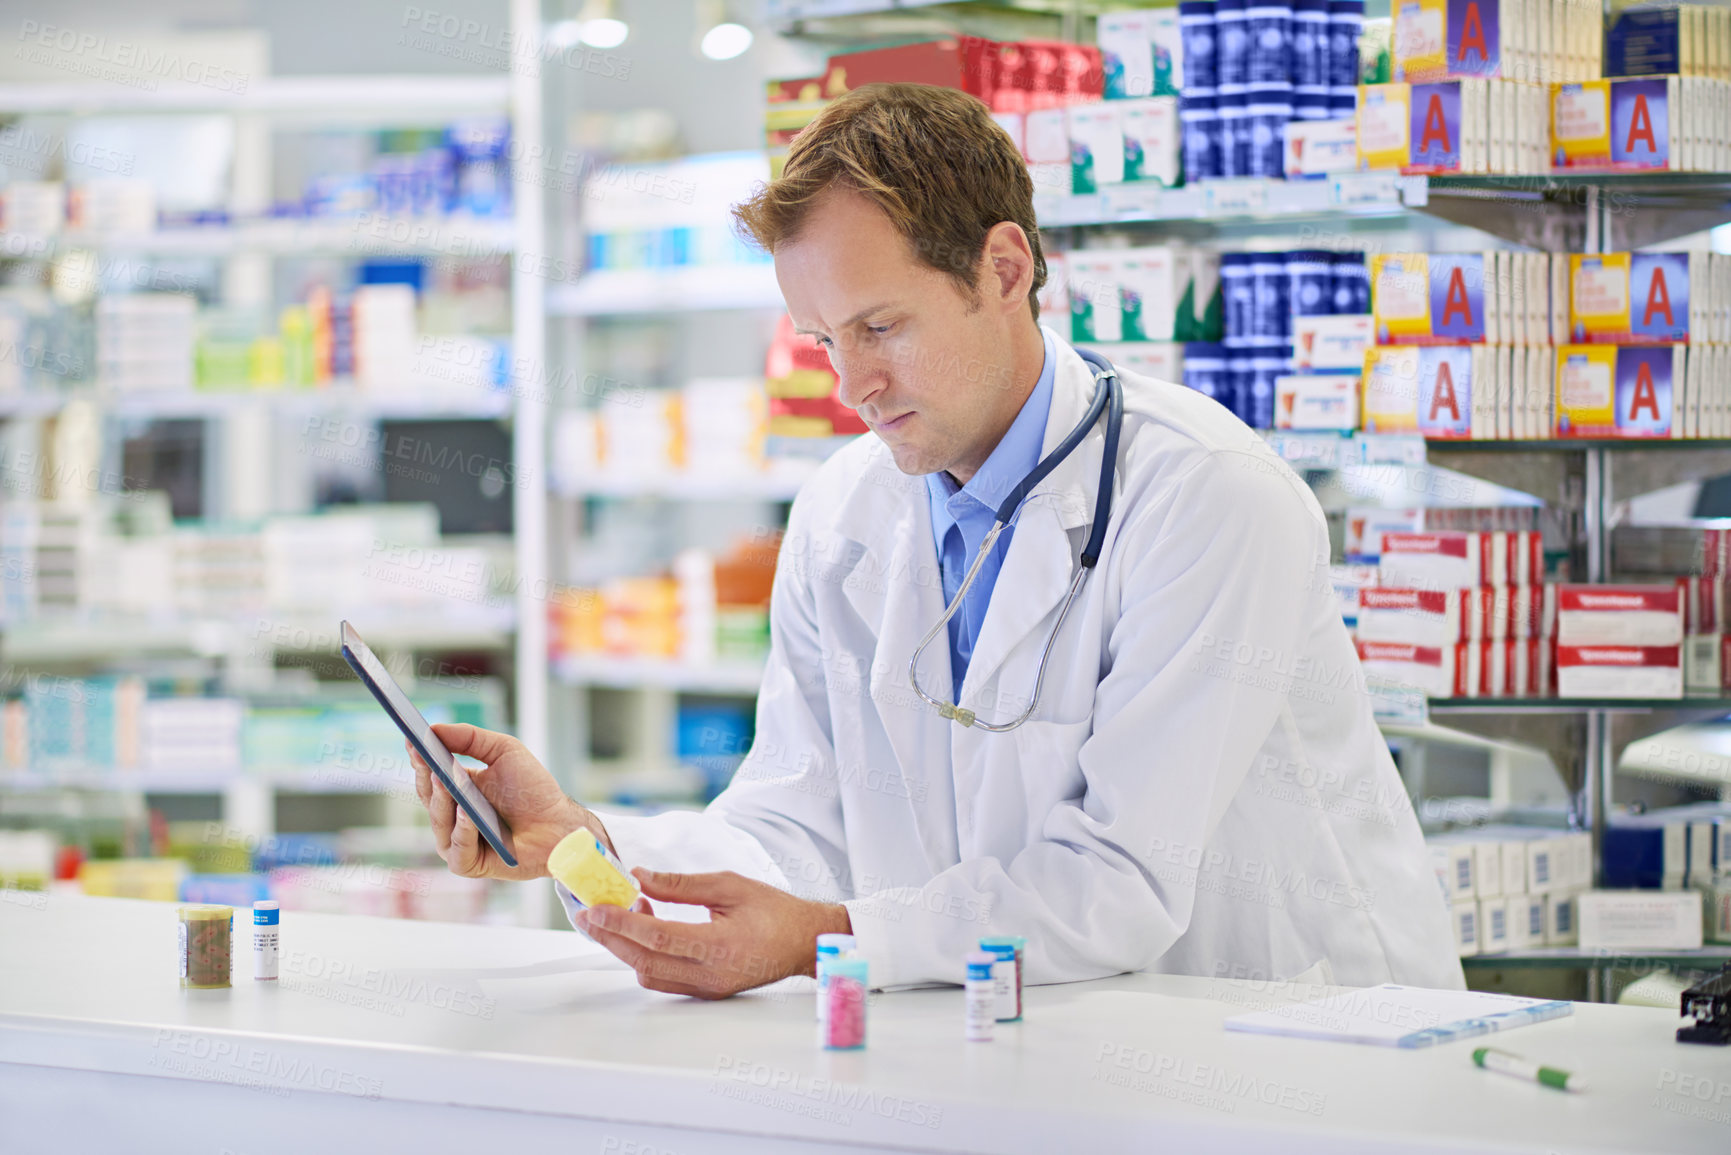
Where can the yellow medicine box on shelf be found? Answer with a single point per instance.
(589, 872)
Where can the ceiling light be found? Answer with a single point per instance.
(725, 41)
(605, 32)
(565, 33)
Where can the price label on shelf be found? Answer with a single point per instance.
(1392, 448)
(1080, 209)
(1236, 197)
(1184, 203)
(1304, 196)
(1135, 202)
(1312, 450)
(1366, 188)
(1400, 704)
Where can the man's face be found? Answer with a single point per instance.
(926, 368)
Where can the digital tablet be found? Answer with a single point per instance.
(441, 761)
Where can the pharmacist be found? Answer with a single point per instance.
(1199, 787)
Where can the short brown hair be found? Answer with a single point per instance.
(931, 158)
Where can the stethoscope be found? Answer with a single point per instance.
(1108, 399)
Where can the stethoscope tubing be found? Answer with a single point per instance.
(1108, 400)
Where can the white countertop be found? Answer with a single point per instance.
(543, 1024)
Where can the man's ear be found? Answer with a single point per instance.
(1007, 265)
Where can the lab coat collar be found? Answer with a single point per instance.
(888, 513)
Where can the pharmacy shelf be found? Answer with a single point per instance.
(699, 288)
(1247, 199)
(781, 483)
(848, 24)
(74, 639)
(30, 404)
(1584, 958)
(360, 236)
(813, 449)
(1553, 209)
(1703, 706)
(1360, 448)
(607, 784)
(214, 780)
(431, 400)
(1549, 209)
(360, 101)
(719, 677)
(1575, 445)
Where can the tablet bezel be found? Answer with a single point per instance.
(441, 761)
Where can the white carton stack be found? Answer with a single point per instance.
(1623, 641)
(114, 205)
(145, 340)
(725, 419)
(1512, 887)
(191, 734)
(638, 434)
(384, 335)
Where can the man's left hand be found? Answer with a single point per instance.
(756, 934)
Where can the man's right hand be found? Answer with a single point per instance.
(529, 802)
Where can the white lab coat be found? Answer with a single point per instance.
(1201, 790)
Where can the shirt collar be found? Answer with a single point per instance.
(1014, 457)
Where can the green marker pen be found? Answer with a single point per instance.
(1504, 1063)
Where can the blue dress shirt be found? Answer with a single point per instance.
(962, 516)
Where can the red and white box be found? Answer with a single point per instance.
(1545, 676)
(1440, 617)
(1604, 615)
(1547, 614)
(1700, 604)
(1590, 671)
(1513, 558)
(1439, 671)
(1446, 560)
(1414, 617)
(1525, 608)
(1715, 552)
(1492, 616)
(1511, 668)
(1702, 668)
